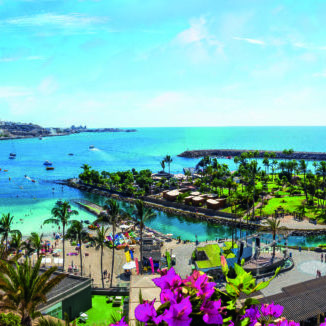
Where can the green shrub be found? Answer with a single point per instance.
(9, 319)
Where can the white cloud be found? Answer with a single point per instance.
(249, 40)
(47, 86)
(34, 58)
(12, 91)
(320, 74)
(7, 59)
(195, 33)
(48, 19)
(29, 58)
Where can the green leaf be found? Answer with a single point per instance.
(251, 302)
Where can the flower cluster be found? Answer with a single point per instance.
(267, 312)
(120, 323)
(196, 301)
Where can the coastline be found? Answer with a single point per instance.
(64, 134)
(230, 153)
(228, 221)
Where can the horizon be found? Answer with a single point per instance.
(163, 64)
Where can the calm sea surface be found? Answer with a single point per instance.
(31, 202)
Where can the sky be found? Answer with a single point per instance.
(148, 63)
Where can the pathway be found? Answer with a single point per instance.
(183, 258)
(306, 264)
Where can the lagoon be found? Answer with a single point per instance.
(143, 149)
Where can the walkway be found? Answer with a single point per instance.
(183, 259)
(306, 264)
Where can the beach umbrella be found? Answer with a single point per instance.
(124, 226)
(129, 265)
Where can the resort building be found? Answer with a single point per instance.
(71, 296)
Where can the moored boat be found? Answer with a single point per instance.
(91, 146)
(48, 163)
(49, 168)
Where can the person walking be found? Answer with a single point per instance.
(321, 257)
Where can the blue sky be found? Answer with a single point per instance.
(116, 63)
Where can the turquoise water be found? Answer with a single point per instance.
(119, 151)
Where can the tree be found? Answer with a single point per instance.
(142, 215)
(99, 240)
(5, 227)
(168, 160)
(114, 213)
(9, 319)
(76, 232)
(163, 165)
(273, 225)
(253, 170)
(35, 242)
(62, 213)
(24, 287)
(321, 171)
(16, 242)
(303, 169)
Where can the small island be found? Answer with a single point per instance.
(17, 130)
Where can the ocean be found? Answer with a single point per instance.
(31, 202)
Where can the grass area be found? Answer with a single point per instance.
(101, 312)
(290, 205)
(213, 253)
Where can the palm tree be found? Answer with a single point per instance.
(321, 171)
(99, 240)
(17, 242)
(76, 232)
(51, 321)
(303, 169)
(114, 213)
(5, 227)
(168, 160)
(253, 170)
(61, 212)
(142, 215)
(35, 242)
(24, 287)
(274, 226)
(163, 165)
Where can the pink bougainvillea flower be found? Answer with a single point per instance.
(171, 296)
(212, 312)
(120, 323)
(253, 314)
(178, 314)
(171, 280)
(205, 288)
(145, 312)
(273, 310)
(163, 271)
(285, 322)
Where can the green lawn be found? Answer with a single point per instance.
(101, 312)
(213, 254)
(290, 204)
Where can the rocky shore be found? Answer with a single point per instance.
(314, 156)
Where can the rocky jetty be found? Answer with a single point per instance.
(229, 153)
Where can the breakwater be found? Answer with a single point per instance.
(313, 156)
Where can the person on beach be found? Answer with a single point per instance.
(321, 257)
